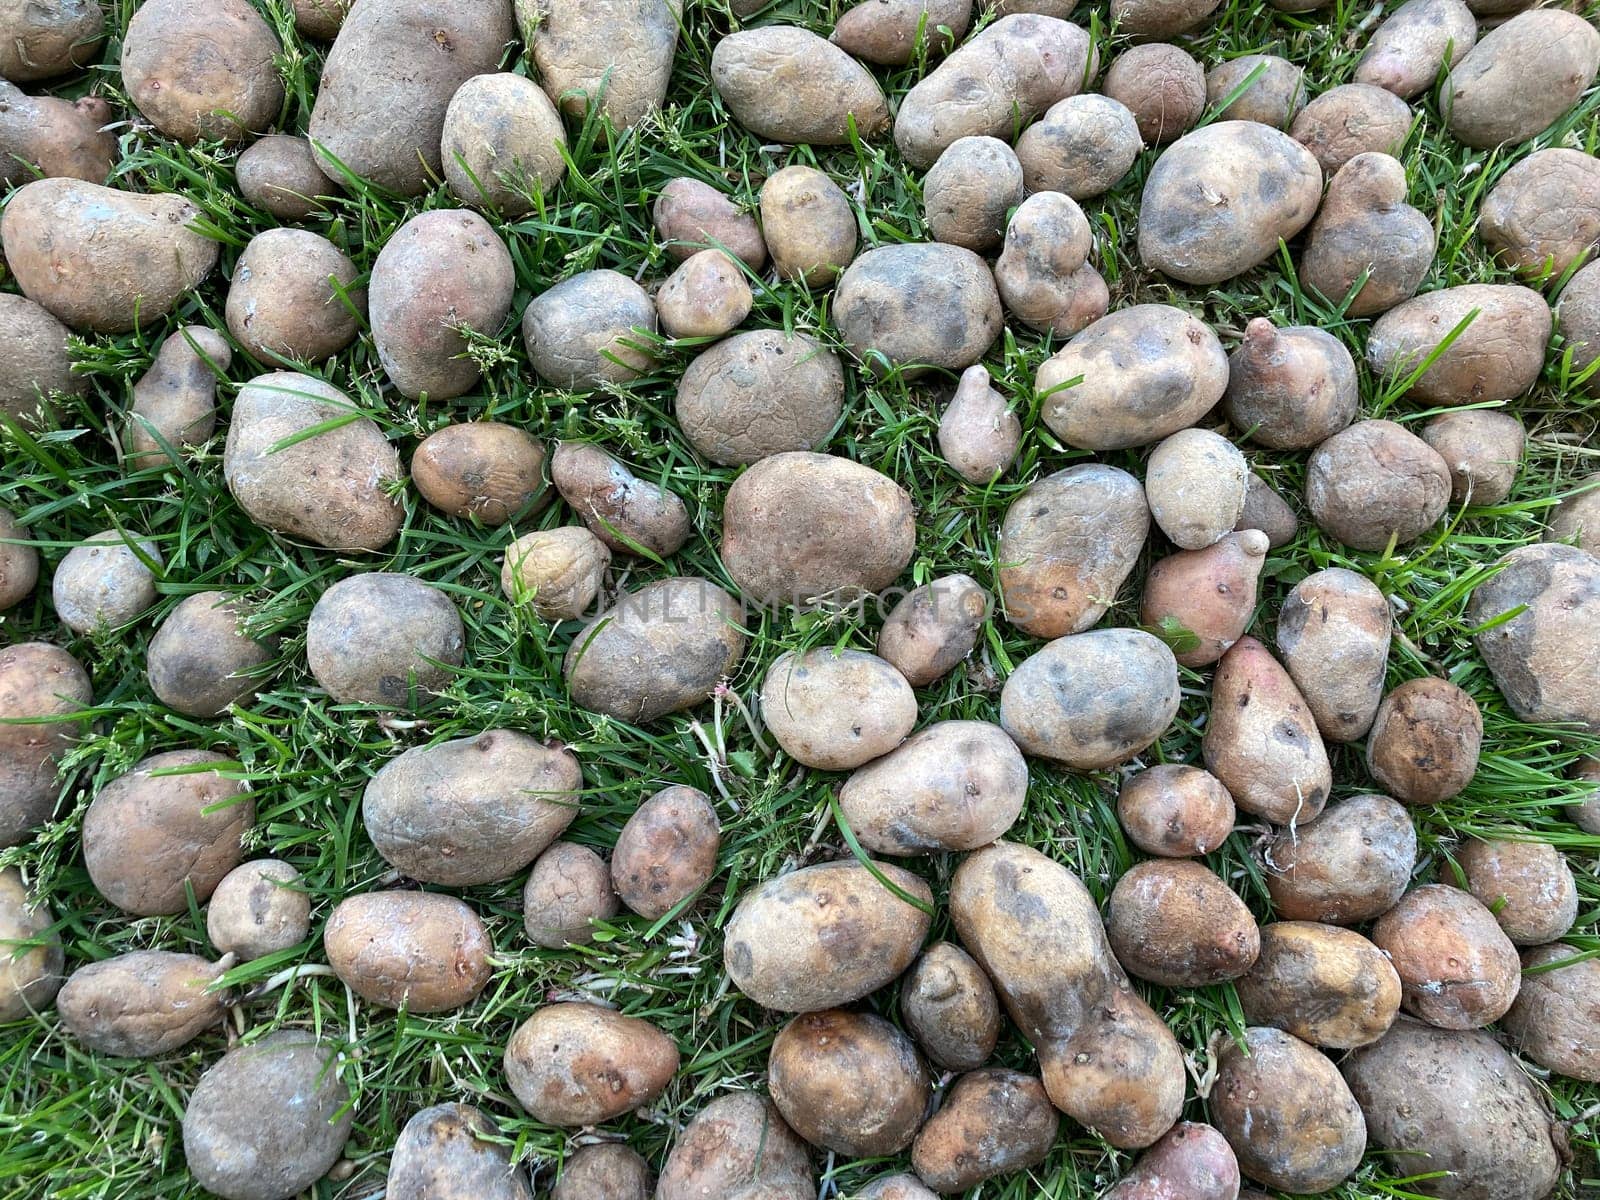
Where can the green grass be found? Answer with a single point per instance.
(74, 1124)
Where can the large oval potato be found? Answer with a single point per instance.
(383, 639)
(43, 40)
(1334, 629)
(760, 393)
(1543, 214)
(420, 951)
(1352, 119)
(581, 1064)
(202, 68)
(30, 976)
(1527, 885)
(40, 687)
(615, 54)
(848, 1082)
(992, 1122)
(1497, 356)
(1374, 482)
(1326, 985)
(1458, 970)
(451, 1152)
(142, 1004)
(666, 852)
(293, 296)
(948, 1004)
(917, 305)
(105, 582)
(1554, 1020)
(1487, 99)
(1348, 866)
(54, 137)
(836, 709)
(887, 31)
(739, 1148)
(786, 84)
(1175, 923)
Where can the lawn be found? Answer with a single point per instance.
(74, 1124)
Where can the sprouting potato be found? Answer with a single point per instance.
(1334, 629)
(1457, 969)
(1367, 228)
(1175, 811)
(54, 137)
(979, 435)
(1348, 866)
(1162, 86)
(835, 710)
(1211, 593)
(1290, 388)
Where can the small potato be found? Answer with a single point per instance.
(1175, 811)
(834, 710)
(786, 84)
(418, 951)
(269, 1119)
(1147, 372)
(1527, 885)
(1498, 356)
(40, 686)
(737, 1147)
(590, 331)
(1162, 86)
(897, 1187)
(956, 785)
(760, 393)
(1082, 147)
(666, 852)
(1487, 100)
(293, 297)
(1483, 450)
(1577, 518)
(706, 297)
(568, 890)
(35, 362)
(448, 1152)
(992, 1122)
(1352, 119)
(1289, 1117)
(471, 810)
(1543, 214)
(1554, 1020)
(1067, 544)
(1376, 482)
(1586, 813)
(259, 908)
(43, 135)
(616, 55)
(886, 31)
(1267, 511)
(1577, 320)
(30, 977)
(690, 215)
(979, 435)
(481, 469)
(1414, 43)
(1326, 985)
(1191, 1161)
(1210, 593)
(19, 562)
(967, 193)
(1290, 388)
(824, 936)
(626, 513)
(917, 305)
(1458, 970)
(320, 18)
(43, 40)
(1173, 922)
(1195, 484)
(580, 1064)
(934, 628)
(502, 144)
(556, 572)
(1159, 18)
(1348, 866)
(1334, 629)
(1043, 274)
(1052, 303)
(280, 176)
(100, 259)
(604, 1171)
(848, 1082)
(1264, 88)
(948, 1004)
(104, 582)
(809, 223)
(1424, 743)
(175, 400)
(142, 1004)
(202, 68)
(383, 639)
(1366, 228)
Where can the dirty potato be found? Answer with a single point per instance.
(449, 1152)
(737, 1146)
(917, 305)
(1414, 43)
(1081, 147)
(556, 572)
(615, 54)
(1175, 923)
(887, 31)
(690, 215)
(502, 143)
(1423, 747)
(320, 18)
(1348, 866)
(1159, 18)
(36, 363)
(1044, 276)
(1527, 885)
(979, 435)
(43, 40)
(1457, 969)
(834, 710)
(1366, 228)
(1490, 98)
(1352, 119)
(293, 297)
(706, 297)
(1326, 985)
(1267, 511)
(44, 135)
(1191, 1160)
(948, 1004)
(1209, 593)
(992, 1122)
(628, 514)
(30, 976)
(1256, 87)
(786, 84)
(967, 193)
(1195, 484)
(1162, 86)
(1577, 320)
(1483, 450)
(174, 402)
(105, 582)
(567, 891)
(1577, 517)
(1290, 388)
(1375, 482)
(40, 687)
(202, 68)
(279, 175)
(604, 1171)
(848, 1082)
(1175, 811)
(1554, 1021)
(760, 393)
(1497, 356)
(1543, 214)
(1334, 629)
(666, 852)
(809, 223)
(934, 628)
(383, 639)
(259, 908)
(419, 951)
(581, 1064)
(590, 331)
(19, 564)
(480, 469)
(141, 1004)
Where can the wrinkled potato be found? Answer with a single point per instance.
(1195, 484)
(659, 649)
(1488, 99)
(590, 331)
(1044, 276)
(836, 709)
(556, 572)
(886, 31)
(1414, 43)
(1334, 629)
(383, 639)
(581, 1064)
(737, 1147)
(269, 1119)
(568, 890)
(934, 628)
(948, 1004)
(992, 1122)
(56, 138)
(502, 143)
(1326, 985)
(1527, 885)
(666, 852)
(1159, 18)
(19, 564)
(1348, 866)
(1175, 811)
(1210, 593)
(43, 40)
(1273, 95)
(1290, 388)
(105, 582)
(1082, 147)
(967, 193)
(628, 514)
(1483, 450)
(705, 297)
(293, 297)
(1577, 518)
(1376, 481)
(1543, 214)
(1457, 969)
(1366, 228)
(918, 305)
(1498, 356)
(419, 951)
(35, 362)
(448, 1152)
(824, 935)
(202, 68)
(786, 84)
(690, 215)
(614, 54)
(480, 469)
(320, 18)
(1173, 922)
(174, 402)
(1267, 511)
(279, 175)
(848, 1082)
(471, 810)
(760, 393)
(1554, 1020)
(45, 683)
(29, 978)
(142, 1004)
(1162, 86)
(258, 908)
(604, 1171)
(1352, 119)
(979, 435)
(809, 224)
(1423, 746)
(1191, 1161)
(100, 259)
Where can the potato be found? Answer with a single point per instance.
(174, 402)
(1527, 885)
(1585, 814)
(848, 1082)
(103, 260)
(383, 639)
(1195, 484)
(19, 563)
(142, 1004)
(992, 1122)
(1554, 1021)
(836, 709)
(29, 977)
(1043, 274)
(1173, 922)
(896, 1187)
(616, 55)
(934, 628)
(967, 193)
(737, 1147)
(55, 138)
(1457, 1103)
(760, 393)
(1577, 518)
(1290, 388)
(331, 487)
(502, 143)
(1483, 450)
(948, 1004)
(1498, 356)
(1175, 811)
(917, 305)
(1414, 43)
(1543, 214)
(1210, 593)
(1367, 228)
(1333, 633)
(786, 84)
(666, 852)
(481, 469)
(280, 176)
(1376, 482)
(1191, 1160)
(1261, 740)
(604, 1171)
(35, 361)
(1577, 319)
(202, 68)
(704, 298)
(581, 1064)
(1326, 985)
(1108, 1061)
(1532, 656)
(1487, 99)
(824, 935)
(956, 785)
(810, 225)
(1002, 77)
(1218, 201)
(1082, 146)
(1159, 18)
(887, 31)
(1348, 866)
(568, 890)
(1162, 86)
(258, 908)
(45, 683)
(628, 514)
(418, 951)
(105, 582)
(979, 435)
(590, 331)
(1265, 88)
(293, 297)
(660, 649)
(689, 215)
(1289, 1117)
(1267, 511)
(471, 810)
(1352, 119)
(1423, 747)
(1458, 970)
(320, 18)
(556, 572)
(448, 1152)
(1147, 372)
(269, 1119)
(387, 82)
(1066, 546)
(43, 40)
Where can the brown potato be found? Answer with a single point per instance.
(1162, 86)
(1348, 866)
(1554, 1020)
(897, 1187)
(202, 68)
(616, 54)
(1527, 885)
(46, 683)
(1175, 811)
(43, 40)
(1159, 18)
(293, 297)
(917, 305)
(105, 582)
(824, 935)
(383, 639)
(590, 331)
(1326, 985)
(1483, 450)
(280, 176)
(1043, 274)
(1423, 747)
(1487, 99)
(979, 435)
(1585, 814)
(142, 1004)
(848, 1082)
(1267, 511)
(948, 1004)
(1210, 593)
(448, 1152)
(556, 572)
(53, 137)
(1195, 484)
(36, 363)
(1577, 518)
(471, 810)
(320, 18)
(1083, 146)
(933, 628)
(1375, 482)
(1173, 922)
(1191, 1161)
(705, 297)
(1577, 319)
(1414, 43)
(967, 193)
(1366, 228)
(786, 84)
(836, 709)
(1352, 119)
(481, 469)
(666, 852)
(502, 143)
(1290, 388)
(628, 514)
(1333, 633)
(760, 393)
(886, 31)
(991, 1123)
(604, 1171)
(1498, 356)
(581, 1064)
(418, 951)
(1052, 303)
(1543, 214)
(259, 908)
(29, 977)
(175, 400)
(810, 225)
(1458, 970)
(737, 1147)
(1273, 95)
(567, 891)
(690, 215)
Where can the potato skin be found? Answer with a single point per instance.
(202, 68)
(34, 361)
(567, 891)
(502, 139)
(918, 305)
(1190, 1162)
(786, 84)
(420, 951)
(1210, 592)
(1195, 483)
(1497, 357)
(968, 191)
(604, 1171)
(58, 138)
(443, 1153)
(1487, 99)
(1273, 98)
(1366, 227)
(1348, 866)
(992, 1122)
(823, 936)
(621, 47)
(690, 215)
(948, 1004)
(885, 31)
(42, 681)
(624, 512)
(1326, 985)
(1483, 451)
(1082, 146)
(281, 304)
(101, 583)
(1405, 53)
(1543, 214)
(1036, 284)
(1162, 85)
(258, 909)
(142, 1004)
(1423, 747)
(760, 393)
(1457, 968)
(1290, 388)
(809, 224)
(19, 564)
(1527, 885)
(933, 628)
(1175, 923)
(848, 1082)
(1374, 481)
(371, 636)
(176, 398)
(485, 469)
(1175, 811)
(1334, 629)
(29, 979)
(739, 1148)
(835, 710)
(43, 40)
(1351, 119)
(666, 852)
(576, 329)
(1554, 1019)
(580, 1064)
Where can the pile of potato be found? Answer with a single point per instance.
(1398, 1001)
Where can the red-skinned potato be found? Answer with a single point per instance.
(1352, 119)
(616, 56)
(1527, 885)
(1554, 1020)
(1334, 629)
(202, 68)
(887, 31)
(1348, 866)
(1423, 746)
(1458, 970)
(666, 852)
(1366, 228)
(1163, 86)
(1190, 1162)
(934, 628)
(992, 1122)
(1211, 593)
(604, 1171)
(786, 84)
(1374, 482)
(1290, 388)
(739, 1148)
(1175, 923)
(580, 1064)
(450, 1152)
(421, 951)
(1487, 100)
(1175, 811)
(1406, 52)
(1483, 450)
(1326, 985)
(1497, 356)
(53, 137)
(948, 1004)
(1047, 299)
